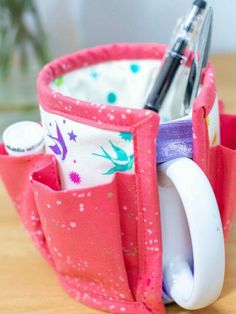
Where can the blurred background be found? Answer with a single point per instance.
(32, 32)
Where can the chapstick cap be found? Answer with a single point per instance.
(24, 138)
(200, 3)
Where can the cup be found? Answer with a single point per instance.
(192, 235)
(189, 212)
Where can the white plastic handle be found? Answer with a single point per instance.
(193, 242)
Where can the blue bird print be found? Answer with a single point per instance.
(122, 162)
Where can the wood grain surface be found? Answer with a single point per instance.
(29, 286)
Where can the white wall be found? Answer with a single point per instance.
(75, 24)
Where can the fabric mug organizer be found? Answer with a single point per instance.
(93, 210)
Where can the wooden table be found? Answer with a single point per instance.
(29, 286)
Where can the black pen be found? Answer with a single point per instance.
(174, 59)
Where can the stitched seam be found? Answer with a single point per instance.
(57, 182)
(134, 133)
(136, 163)
(140, 211)
(55, 109)
(41, 227)
(104, 298)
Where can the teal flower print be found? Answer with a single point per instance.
(111, 98)
(126, 136)
(94, 75)
(135, 68)
(121, 163)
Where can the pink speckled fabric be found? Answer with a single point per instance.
(219, 162)
(222, 171)
(104, 242)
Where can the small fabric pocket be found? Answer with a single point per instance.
(222, 171)
(16, 174)
(82, 228)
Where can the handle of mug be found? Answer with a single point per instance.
(193, 242)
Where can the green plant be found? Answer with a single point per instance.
(17, 35)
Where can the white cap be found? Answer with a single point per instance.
(24, 138)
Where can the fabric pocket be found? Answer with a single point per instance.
(16, 175)
(82, 228)
(92, 236)
(222, 171)
(89, 236)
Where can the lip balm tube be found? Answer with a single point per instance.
(24, 138)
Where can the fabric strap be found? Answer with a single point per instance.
(175, 140)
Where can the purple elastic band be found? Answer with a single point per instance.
(175, 140)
